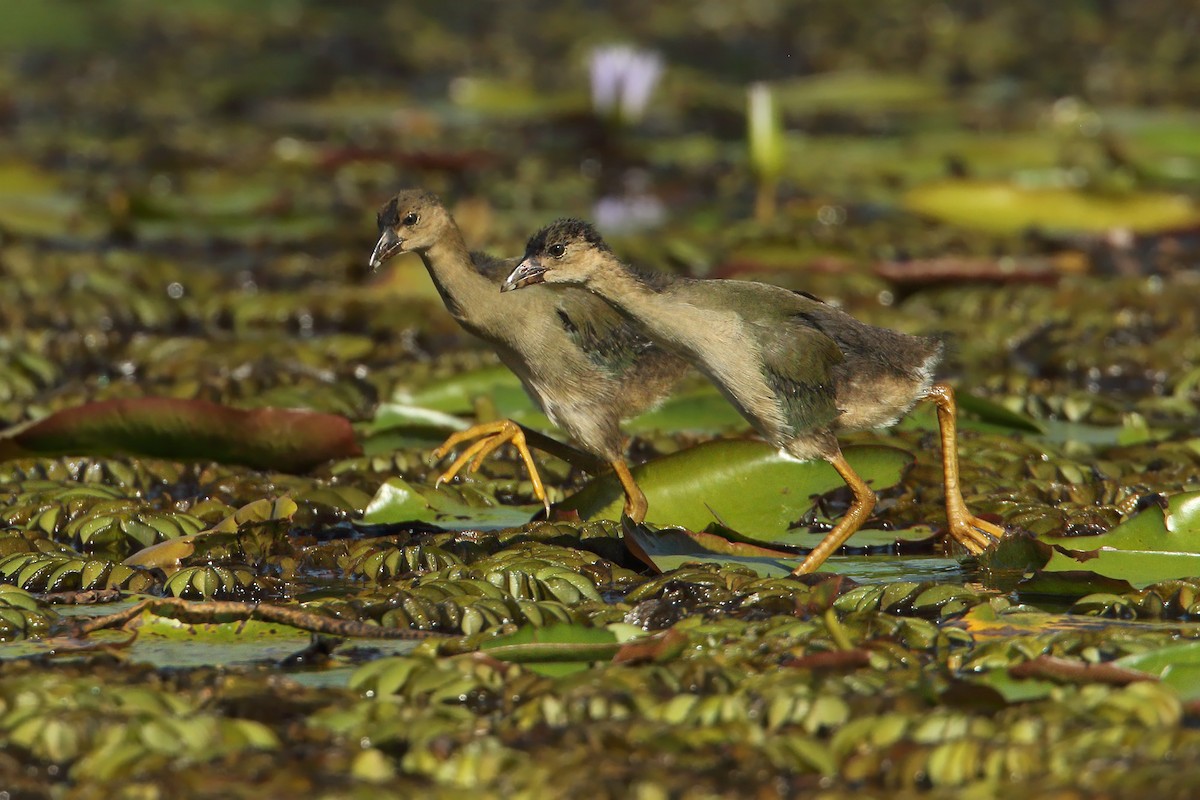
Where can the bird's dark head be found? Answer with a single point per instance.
(566, 251)
(410, 222)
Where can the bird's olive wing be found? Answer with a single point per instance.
(799, 361)
(491, 267)
(610, 341)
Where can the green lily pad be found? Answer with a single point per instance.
(498, 98)
(919, 538)
(398, 426)
(1178, 665)
(1153, 546)
(1014, 690)
(892, 569)
(995, 414)
(702, 410)
(671, 548)
(168, 643)
(450, 508)
(390, 416)
(744, 485)
(555, 649)
(458, 395)
(1007, 208)
(858, 92)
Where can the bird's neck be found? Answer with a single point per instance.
(652, 304)
(460, 285)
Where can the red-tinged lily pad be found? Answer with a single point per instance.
(740, 484)
(555, 649)
(184, 430)
(671, 548)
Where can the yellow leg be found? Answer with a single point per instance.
(489, 437)
(967, 529)
(635, 500)
(860, 509)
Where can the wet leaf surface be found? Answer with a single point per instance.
(743, 485)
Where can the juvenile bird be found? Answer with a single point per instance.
(797, 369)
(581, 362)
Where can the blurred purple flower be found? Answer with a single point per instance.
(623, 78)
(628, 213)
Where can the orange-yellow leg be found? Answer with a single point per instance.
(635, 500)
(489, 437)
(860, 509)
(967, 529)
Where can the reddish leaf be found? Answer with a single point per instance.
(1066, 670)
(162, 427)
(652, 649)
(831, 660)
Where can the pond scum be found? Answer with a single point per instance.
(225, 569)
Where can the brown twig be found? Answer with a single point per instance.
(215, 612)
(81, 597)
(1066, 670)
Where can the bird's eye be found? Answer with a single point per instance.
(556, 250)
(410, 218)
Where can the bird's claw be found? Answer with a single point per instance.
(490, 437)
(975, 534)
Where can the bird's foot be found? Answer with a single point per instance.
(973, 533)
(636, 508)
(635, 501)
(489, 437)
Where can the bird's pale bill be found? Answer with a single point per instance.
(527, 273)
(388, 245)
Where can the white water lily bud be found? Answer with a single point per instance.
(764, 132)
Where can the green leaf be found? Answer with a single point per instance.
(163, 427)
(1008, 208)
(555, 649)
(854, 91)
(670, 548)
(1155, 545)
(392, 416)
(459, 393)
(701, 410)
(451, 508)
(741, 484)
(919, 538)
(1014, 690)
(995, 414)
(1178, 665)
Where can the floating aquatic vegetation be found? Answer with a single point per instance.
(184, 625)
